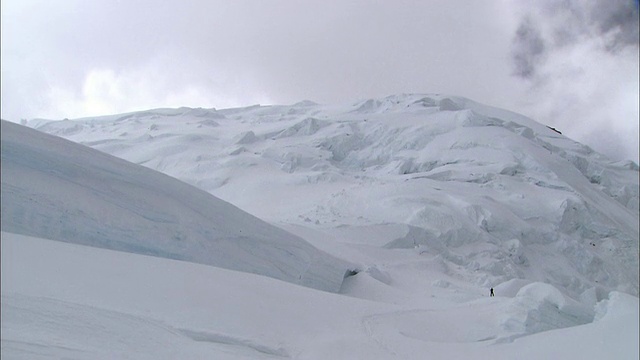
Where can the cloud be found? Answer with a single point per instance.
(528, 49)
(579, 59)
(550, 25)
(105, 91)
(76, 58)
(285, 51)
(617, 20)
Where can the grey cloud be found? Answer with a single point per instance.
(580, 62)
(558, 24)
(327, 51)
(528, 49)
(618, 18)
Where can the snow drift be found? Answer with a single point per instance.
(55, 189)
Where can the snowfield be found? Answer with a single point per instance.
(376, 231)
(63, 300)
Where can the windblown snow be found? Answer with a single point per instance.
(405, 209)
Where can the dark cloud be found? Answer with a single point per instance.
(580, 62)
(619, 20)
(550, 26)
(528, 49)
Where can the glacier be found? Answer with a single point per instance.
(396, 215)
(496, 190)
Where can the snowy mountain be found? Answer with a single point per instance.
(424, 202)
(55, 189)
(493, 193)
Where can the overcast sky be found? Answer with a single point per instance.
(570, 64)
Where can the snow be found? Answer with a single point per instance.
(57, 189)
(384, 224)
(62, 300)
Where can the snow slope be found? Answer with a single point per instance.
(63, 300)
(53, 188)
(497, 195)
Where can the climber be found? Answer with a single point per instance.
(491, 292)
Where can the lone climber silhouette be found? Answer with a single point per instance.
(491, 292)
